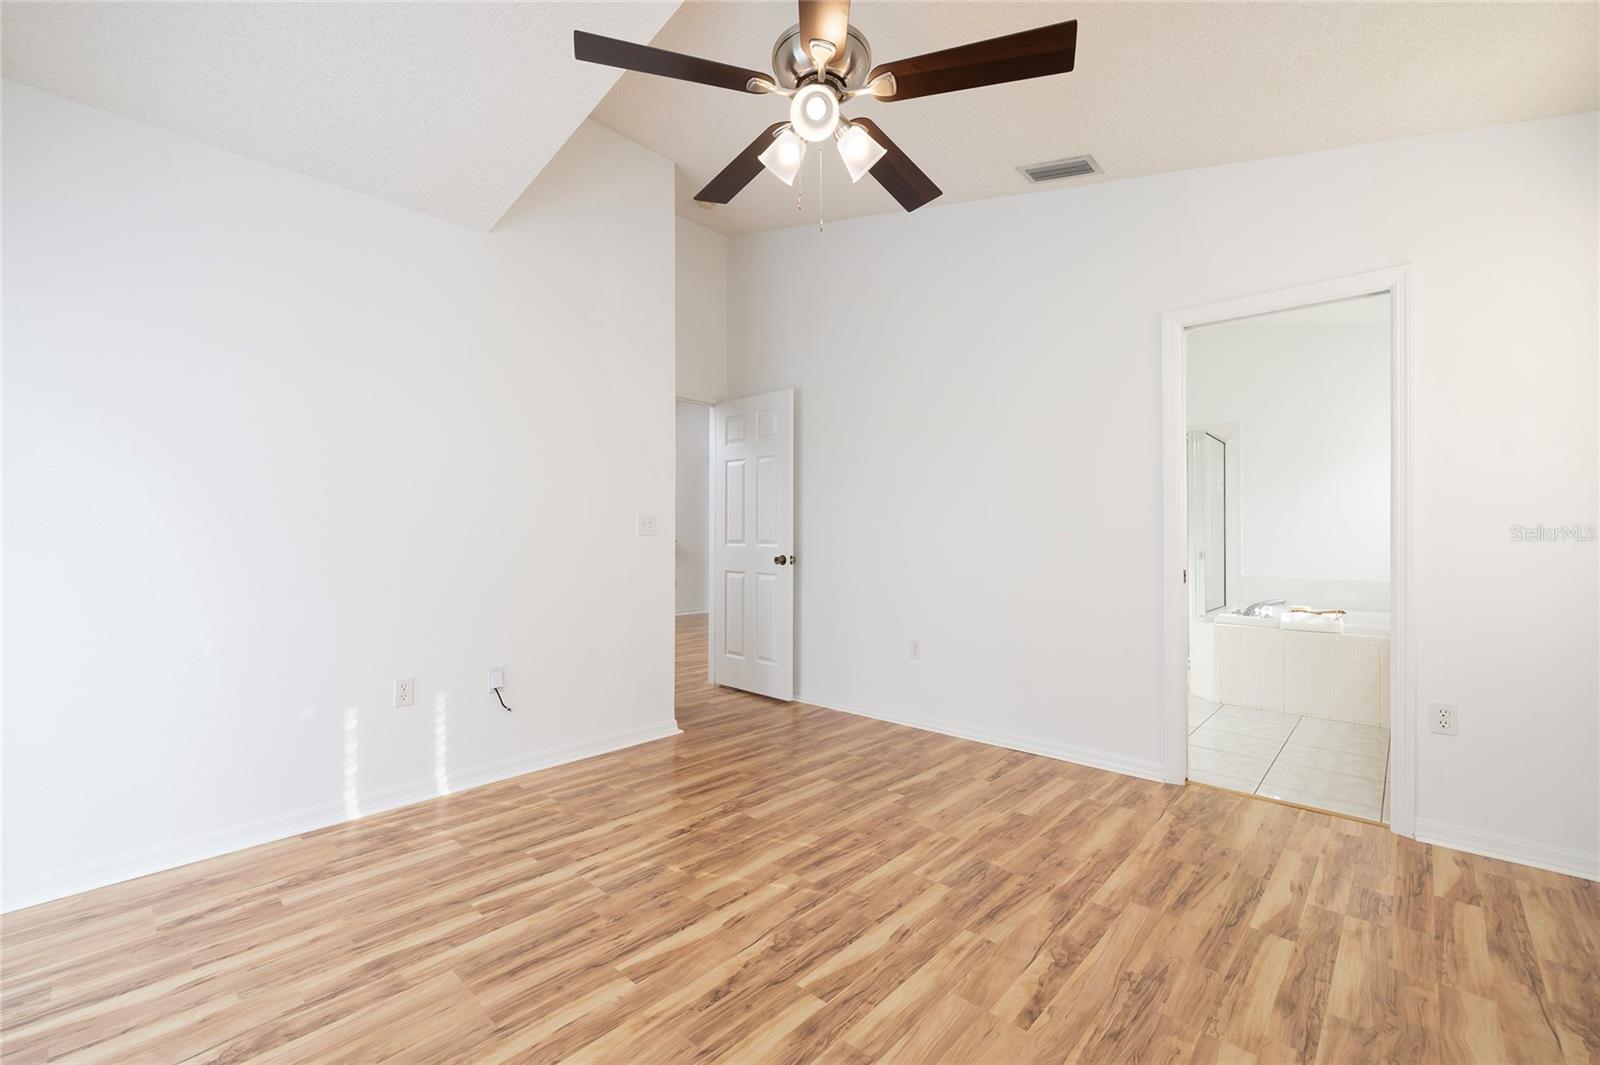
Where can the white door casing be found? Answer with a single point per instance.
(752, 544)
(1404, 718)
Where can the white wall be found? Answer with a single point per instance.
(1302, 399)
(980, 466)
(693, 549)
(702, 312)
(271, 444)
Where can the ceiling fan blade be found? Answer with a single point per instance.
(824, 20)
(903, 179)
(1029, 54)
(739, 173)
(608, 51)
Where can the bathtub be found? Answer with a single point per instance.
(1341, 676)
(1367, 623)
(1362, 622)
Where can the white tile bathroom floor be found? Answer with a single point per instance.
(1311, 761)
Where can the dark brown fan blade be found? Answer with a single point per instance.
(1029, 54)
(897, 173)
(592, 48)
(824, 20)
(739, 173)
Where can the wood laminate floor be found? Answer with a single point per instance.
(782, 884)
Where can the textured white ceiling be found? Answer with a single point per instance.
(451, 109)
(1158, 87)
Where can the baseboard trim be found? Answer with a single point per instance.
(1510, 848)
(690, 614)
(1084, 756)
(58, 884)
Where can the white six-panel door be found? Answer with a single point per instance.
(752, 544)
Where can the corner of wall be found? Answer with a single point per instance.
(702, 312)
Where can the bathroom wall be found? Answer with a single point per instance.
(1302, 399)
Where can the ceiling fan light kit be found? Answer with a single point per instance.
(784, 156)
(814, 112)
(858, 150)
(823, 62)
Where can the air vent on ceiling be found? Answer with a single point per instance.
(1077, 166)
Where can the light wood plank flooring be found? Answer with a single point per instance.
(785, 884)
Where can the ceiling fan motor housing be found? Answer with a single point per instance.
(847, 70)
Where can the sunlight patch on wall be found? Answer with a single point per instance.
(352, 762)
(441, 745)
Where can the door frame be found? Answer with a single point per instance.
(1399, 284)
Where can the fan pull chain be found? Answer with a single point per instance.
(819, 191)
(800, 187)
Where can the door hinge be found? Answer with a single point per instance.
(1185, 576)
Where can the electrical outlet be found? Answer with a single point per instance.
(916, 648)
(497, 678)
(1442, 718)
(647, 525)
(405, 692)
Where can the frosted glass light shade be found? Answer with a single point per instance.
(859, 151)
(814, 112)
(784, 156)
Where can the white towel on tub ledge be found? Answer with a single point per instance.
(1306, 621)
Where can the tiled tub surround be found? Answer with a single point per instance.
(1330, 765)
(1336, 676)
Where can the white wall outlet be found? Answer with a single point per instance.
(647, 525)
(916, 648)
(1442, 718)
(405, 692)
(497, 678)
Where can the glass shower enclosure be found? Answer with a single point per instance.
(1208, 535)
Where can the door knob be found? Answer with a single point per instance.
(780, 561)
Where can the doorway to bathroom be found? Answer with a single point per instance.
(1285, 420)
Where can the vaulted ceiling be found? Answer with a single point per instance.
(452, 109)
(1158, 87)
